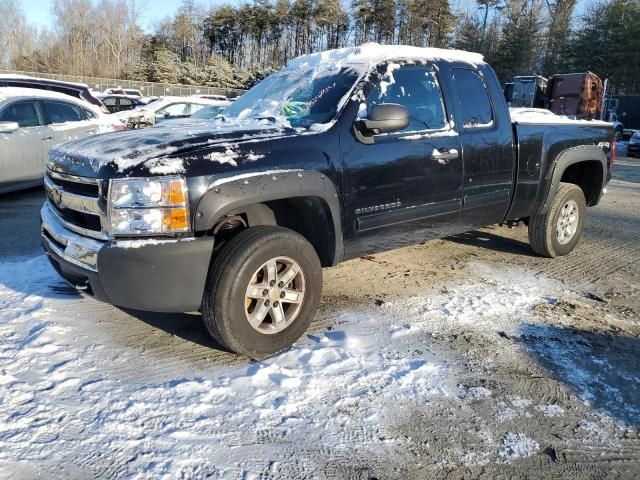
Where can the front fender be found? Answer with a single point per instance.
(230, 193)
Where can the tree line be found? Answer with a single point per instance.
(237, 45)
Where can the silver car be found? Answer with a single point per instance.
(31, 122)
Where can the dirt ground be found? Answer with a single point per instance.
(549, 390)
(591, 327)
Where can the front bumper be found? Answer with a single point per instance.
(151, 275)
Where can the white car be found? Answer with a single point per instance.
(129, 92)
(31, 122)
(163, 109)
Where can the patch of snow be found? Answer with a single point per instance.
(228, 156)
(373, 53)
(252, 157)
(541, 116)
(388, 78)
(517, 445)
(245, 176)
(362, 110)
(149, 241)
(551, 410)
(436, 134)
(166, 166)
(478, 393)
(339, 389)
(520, 402)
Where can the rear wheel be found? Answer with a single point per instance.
(263, 290)
(558, 231)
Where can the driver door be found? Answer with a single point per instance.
(406, 186)
(23, 152)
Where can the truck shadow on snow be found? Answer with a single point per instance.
(186, 326)
(491, 241)
(602, 369)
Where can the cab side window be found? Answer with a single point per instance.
(24, 113)
(61, 112)
(473, 98)
(416, 88)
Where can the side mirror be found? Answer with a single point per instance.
(386, 118)
(166, 115)
(8, 127)
(383, 118)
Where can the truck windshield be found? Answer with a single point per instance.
(296, 97)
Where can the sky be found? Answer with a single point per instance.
(39, 11)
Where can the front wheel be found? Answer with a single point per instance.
(558, 231)
(263, 290)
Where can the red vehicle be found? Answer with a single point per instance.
(576, 94)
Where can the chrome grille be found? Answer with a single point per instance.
(78, 203)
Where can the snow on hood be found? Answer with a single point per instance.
(542, 116)
(373, 53)
(129, 149)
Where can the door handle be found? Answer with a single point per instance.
(444, 156)
(48, 137)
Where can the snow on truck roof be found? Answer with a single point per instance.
(371, 53)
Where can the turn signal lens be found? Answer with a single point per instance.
(176, 220)
(177, 193)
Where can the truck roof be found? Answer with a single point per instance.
(371, 53)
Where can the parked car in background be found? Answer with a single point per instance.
(633, 148)
(162, 109)
(205, 114)
(129, 92)
(212, 97)
(78, 90)
(32, 121)
(148, 100)
(120, 103)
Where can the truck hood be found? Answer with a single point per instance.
(158, 148)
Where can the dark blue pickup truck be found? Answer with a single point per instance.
(340, 154)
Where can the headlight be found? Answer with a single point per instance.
(149, 206)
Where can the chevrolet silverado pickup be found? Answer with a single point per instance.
(340, 154)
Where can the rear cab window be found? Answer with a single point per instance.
(472, 96)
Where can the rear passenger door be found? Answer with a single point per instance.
(68, 121)
(23, 153)
(487, 146)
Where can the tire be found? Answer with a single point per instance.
(544, 236)
(245, 262)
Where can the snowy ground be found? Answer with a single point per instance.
(460, 358)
